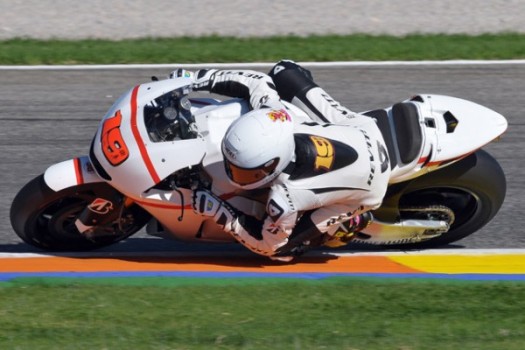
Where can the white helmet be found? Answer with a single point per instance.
(257, 147)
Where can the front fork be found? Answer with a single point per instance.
(101, 212)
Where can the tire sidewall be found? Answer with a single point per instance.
(35, 197)
(480, 175)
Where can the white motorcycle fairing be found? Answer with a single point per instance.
(461, 127)
(146, 163)
(70, 173)
(451, 129)
(142, 163)
(441, 130)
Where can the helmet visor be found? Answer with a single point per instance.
(248, 176)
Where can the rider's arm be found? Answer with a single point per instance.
(258, 88)
(263, 237)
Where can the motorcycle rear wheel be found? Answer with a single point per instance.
(45, 219)
(473, 188)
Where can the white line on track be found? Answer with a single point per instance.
(266, 65)
(174, 254)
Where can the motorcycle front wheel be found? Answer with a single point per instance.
(45, 219)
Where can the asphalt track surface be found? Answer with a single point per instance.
(47, 116)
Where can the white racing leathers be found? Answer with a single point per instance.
(341, 167)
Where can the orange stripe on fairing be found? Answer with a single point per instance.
(138, 138)
(328, 264)
(422, 160)
(166, 205)
(163, 205)
(437, 163)
(78, 171)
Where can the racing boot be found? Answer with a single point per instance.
(347, 230)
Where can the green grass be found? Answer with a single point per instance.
(228, 49)
(262, 314)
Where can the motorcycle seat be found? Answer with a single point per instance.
(401, 131)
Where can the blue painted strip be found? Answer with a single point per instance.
(315, 276)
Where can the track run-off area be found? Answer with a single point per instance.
(493, 265)
(50, 113)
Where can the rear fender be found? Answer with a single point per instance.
(70, 173)
(462, 127)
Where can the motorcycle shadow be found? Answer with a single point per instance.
(161, 255)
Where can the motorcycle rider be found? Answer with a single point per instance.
(324, 175)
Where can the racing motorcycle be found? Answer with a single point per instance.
(156, 144)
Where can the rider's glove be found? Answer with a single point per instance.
(265, 243)
(207, 204)
(203, 80)
(181, 73)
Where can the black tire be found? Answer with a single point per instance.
(474, 188)
(45, 219)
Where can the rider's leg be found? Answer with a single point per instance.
(332, 226)
(347, 230)
(295, 85)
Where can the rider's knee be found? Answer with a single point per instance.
(291, 80)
